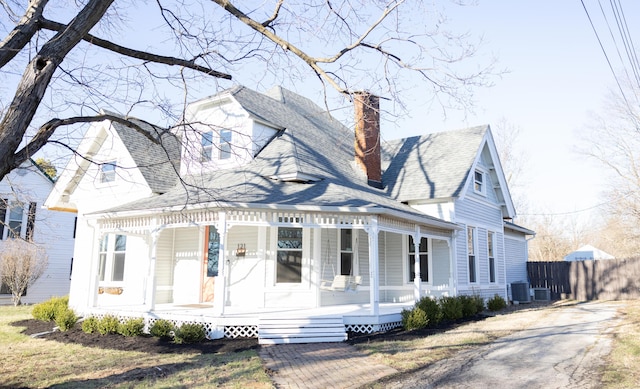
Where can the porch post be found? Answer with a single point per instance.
(416, 264)
(94, 277)
(150, 292)
(374, 285)
(220, 285)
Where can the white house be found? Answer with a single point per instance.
(22, 195)
(261, 213)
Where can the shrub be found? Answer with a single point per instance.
(496, 303)
(414, 319)
(90, 325)
(431, 308)
(189, 333)
(479, 303)
(108, 325)
(65, 319)
(161, 329)
(46, 310)
(471, 305)
(131, 327)
(451, 307)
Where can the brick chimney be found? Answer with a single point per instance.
(367, 136)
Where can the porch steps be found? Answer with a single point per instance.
(282, 330)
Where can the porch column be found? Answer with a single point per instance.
(453, 266)
(416, 264)
(220, 285)
(374, 282)
(94, 265)
(150, 291)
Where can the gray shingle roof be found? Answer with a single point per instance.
(314, 143)
(158, 162)
(430, 166)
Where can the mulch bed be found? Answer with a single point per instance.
(147, 344)
(153, 345)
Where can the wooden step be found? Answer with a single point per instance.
(283, 330)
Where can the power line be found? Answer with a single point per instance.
(605, 55)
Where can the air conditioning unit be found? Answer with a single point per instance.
(520, 292)
(541, 294)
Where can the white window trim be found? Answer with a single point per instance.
(475, 254)
(223, 145)
(495, 264)
(7, 218)
(354, 251)
(306, 254)
(109, 262)
(483, 186)
(101, 182)
(405, 256)
(210, 147)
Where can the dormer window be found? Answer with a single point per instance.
(478, 182)
(108, 172)
(207, 146)
(225, 144)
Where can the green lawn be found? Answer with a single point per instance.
(39, 363)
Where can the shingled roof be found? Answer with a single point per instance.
(312, 142)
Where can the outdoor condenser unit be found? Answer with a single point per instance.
(520, 292)
(541, 294)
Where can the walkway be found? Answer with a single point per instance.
(320, 365)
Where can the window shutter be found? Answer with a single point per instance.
(3, 215)
(31, 219)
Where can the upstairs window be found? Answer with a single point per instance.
(12, 220)
(225, 144)
(207, 146)
(478, 182)
(108, 171)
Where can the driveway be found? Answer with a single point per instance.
(563, 351)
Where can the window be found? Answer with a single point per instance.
(108, 171)
(478, 181)
(424, 259)
(213, 251)
(225, 144)
(207, 146)
(289, 255)
(112, 258)
(11, 220)
(346, 252)
(492, 259)
(471, 250)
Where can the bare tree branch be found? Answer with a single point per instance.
(142, 55)
(23, 32)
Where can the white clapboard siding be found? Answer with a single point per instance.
(283, 330)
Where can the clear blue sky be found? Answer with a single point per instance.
(557, 75)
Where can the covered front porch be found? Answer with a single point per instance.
(240, 271)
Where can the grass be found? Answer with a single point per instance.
(408, 355)
(38, 363)
(622, 369)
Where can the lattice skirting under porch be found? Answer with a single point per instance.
(371, 328)
(242, 331)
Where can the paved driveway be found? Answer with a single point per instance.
(563, 351)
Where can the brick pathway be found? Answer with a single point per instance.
(320, 365)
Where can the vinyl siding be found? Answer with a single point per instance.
(516, 259)
(186, 282)
(165, 265)
(440, 258)
(246, 275)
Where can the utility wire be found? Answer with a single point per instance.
(623, 29)
(605, 55)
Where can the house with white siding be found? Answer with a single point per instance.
(262, 215)
(22, 195)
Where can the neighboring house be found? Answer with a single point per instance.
(22, 195)
(276, 220)
(586, 253)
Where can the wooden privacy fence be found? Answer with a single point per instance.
(611, 279)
